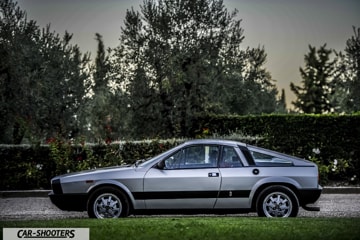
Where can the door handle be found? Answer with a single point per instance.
(213, 174)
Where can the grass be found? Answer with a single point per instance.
(208, 228)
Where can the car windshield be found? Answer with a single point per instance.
(145, 162)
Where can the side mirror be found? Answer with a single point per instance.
(160, 165)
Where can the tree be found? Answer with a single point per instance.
(61, 100)
(12, 27)
(99, 115)
(252, 90)
(349, 74)
(180, 59)
(353, 55)
(281, 104)
(315, 94)
(107, 115)
(42, 79)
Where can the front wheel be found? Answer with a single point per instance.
(107, 202)
(277, 201)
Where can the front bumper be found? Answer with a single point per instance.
(69, 202)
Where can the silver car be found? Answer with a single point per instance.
(197, 176)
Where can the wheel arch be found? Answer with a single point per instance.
(119, 186)
(258, 188)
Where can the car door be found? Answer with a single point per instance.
(237, 179)
(189, 179)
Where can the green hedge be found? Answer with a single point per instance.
(294, 134)
(24, 167)
(332, 141)
(32, 167)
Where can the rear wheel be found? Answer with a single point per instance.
(107, 202)
(277, 201)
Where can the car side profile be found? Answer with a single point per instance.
(205, 175)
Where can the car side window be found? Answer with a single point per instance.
(229, 158)
(263, 159)
(174, 161)
(200, 156)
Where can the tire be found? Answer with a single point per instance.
(107, 202)
(277, 201)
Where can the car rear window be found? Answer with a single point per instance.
(264, 159)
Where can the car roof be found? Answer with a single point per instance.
(215, 141)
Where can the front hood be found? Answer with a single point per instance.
(96, 171)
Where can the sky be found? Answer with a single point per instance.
(285, 28)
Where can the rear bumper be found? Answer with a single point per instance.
(309, 196)
(69, 202)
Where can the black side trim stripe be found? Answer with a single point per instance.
(175, 195)
(190, 194)
(234, 194)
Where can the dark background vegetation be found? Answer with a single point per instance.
(330, 141)
(180, 71)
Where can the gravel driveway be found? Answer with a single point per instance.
(40, 208)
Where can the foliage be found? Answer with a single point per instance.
(100, 109)
(25, 167)
(337, 168)
(78, 156)
(315, 94)
(330, 85)
(329, 140)
(353, 60)
(281, 106)
(178, 63)
(207, 228)
(178, 59)
(348, 95)
(41, 77)
(32, 167)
